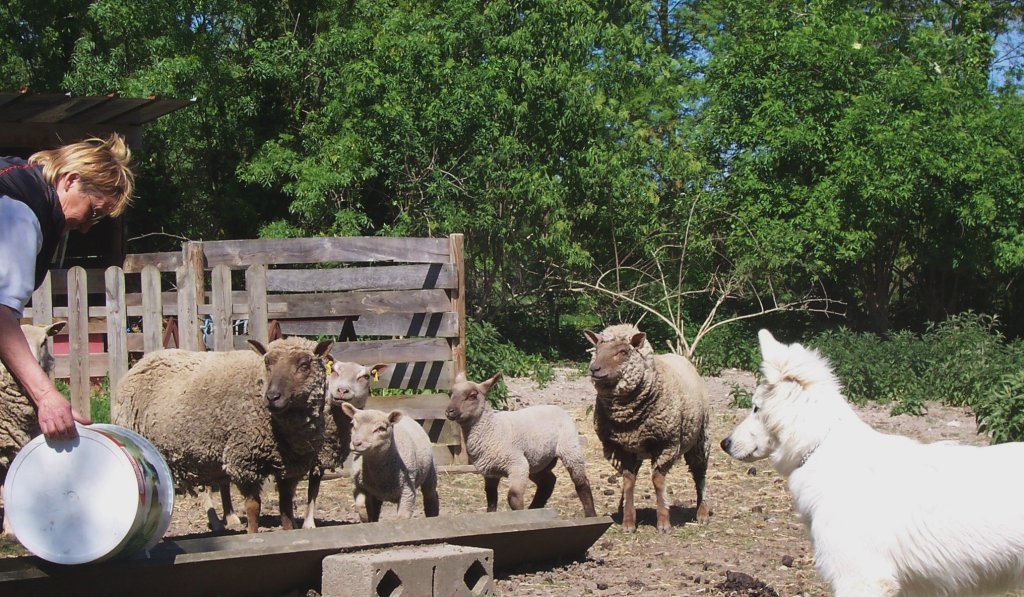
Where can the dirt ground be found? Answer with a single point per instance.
(753, 546)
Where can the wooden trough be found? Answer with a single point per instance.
(277, 563)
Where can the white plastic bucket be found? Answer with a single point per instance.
(106, 493)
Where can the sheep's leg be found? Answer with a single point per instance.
(286, 498)
(407, 502)
(253, 506)
(359, 497)
(230, 518)
(579, 478)
(212, 520)
(373, 505)
(545, 481)
(630, 467)
(312, 491)
(431, 503)
(517, 479)
(491, 490)
(664, 522)
(572, 459)
(697, 461)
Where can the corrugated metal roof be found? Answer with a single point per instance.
(57, 108)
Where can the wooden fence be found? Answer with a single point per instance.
(399, 301)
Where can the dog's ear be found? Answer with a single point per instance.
(773, 354)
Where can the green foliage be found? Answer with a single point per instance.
(954, 362)
(488, 353)
(99, 399)
(740, 397)
(99, 402)
(730, 346)
(1001, 412)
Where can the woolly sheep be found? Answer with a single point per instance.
(347, 383)
(19, 422)
(393, 458)
(520, 445)
(235, 416)
(648, 407)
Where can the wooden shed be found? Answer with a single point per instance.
(31, 121)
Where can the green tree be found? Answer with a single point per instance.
(861, 142)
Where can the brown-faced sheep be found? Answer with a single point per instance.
(648, 407)
(522, 444)
(236, 416)
(347, 383)
(393, 458)
(19, 421)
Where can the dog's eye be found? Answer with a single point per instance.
(756, 408)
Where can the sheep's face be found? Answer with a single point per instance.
(295, 377)
(611, 356)
(350, 382)
(372, 430)
(468, 399)
(36, 335)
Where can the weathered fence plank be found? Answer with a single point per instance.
(117, 326)
(393, 277)
(152, 309)
(78, 338)
(220, 282)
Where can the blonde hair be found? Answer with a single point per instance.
(102, 165)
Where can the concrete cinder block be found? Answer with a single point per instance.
(418, 571)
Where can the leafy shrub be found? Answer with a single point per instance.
(953, 362)
(1001, 412)
(99, 399)
(730, 346)
(488, 353)
(740, 397)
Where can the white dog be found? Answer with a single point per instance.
(887, 515)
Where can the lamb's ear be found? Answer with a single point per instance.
(349, 410)
(460, 377)
(378, 368)
(54, 328)
(592, 337)
(258, 346)
(486, 385)
(323, 348)
(637, 340)
(394, 416)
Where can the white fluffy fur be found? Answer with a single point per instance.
(887, 515)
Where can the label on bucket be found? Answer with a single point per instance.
(106, 493)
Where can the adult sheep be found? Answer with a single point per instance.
(348, 383)
(238, 416)
(648, 407)
(18, 418)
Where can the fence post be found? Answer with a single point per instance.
(458, 298)
(256, 288)
(458, 343)
(152, 309)
(190, 289)
(220, 298)
(117, 330)
(42, 309)
(78, 338)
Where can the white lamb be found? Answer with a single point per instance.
(347, 383)
(393, 458)
(520, 445)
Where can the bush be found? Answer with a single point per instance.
(488, 353)
(730, 346)
(953, 362)
(1001, 413)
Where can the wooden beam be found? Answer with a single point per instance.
(282, 561)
